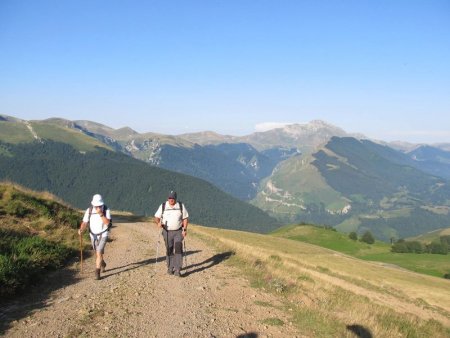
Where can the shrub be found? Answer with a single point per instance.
(437, 248)
(353, 236)
(368, 238)
(24, 258)
(415, 246)
(399, 247)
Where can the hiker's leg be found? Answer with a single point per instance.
(178, 245)
(100, 250)
(98, 260)
(166, 242)
(171, 249)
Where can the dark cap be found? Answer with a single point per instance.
(173, 195)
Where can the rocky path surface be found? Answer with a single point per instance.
(136, 298)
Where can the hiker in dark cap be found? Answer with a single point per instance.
(172, 217)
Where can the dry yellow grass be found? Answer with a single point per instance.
(342, 290)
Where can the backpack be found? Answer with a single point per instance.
(163, 206)
(109, 224)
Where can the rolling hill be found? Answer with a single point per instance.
(126, 183)
(358, 185)
(296, 173)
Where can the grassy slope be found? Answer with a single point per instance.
(75, 138)
(304, 185)
(14, 132)
(327, 292)
(431, 236)
(17, 132)
(37, 234)
(430, 264)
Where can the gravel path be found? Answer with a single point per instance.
(136, 298)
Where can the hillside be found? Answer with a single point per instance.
(298, 173)
(358, 185)
(333, 291)
(37, 235)
(126, 183)
(58, 130)
(431, 264)
(235, 284)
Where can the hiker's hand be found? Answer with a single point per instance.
(79, 232)
(184, 233)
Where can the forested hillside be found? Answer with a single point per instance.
(388, 196)
(126, 184)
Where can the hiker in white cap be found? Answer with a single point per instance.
(98, 217)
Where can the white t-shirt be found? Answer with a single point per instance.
(172, 215)
(96, 223)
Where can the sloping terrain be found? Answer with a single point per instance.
(358, 185)
(299, 290)
(234, 284)
(126, 184)
(136, 297)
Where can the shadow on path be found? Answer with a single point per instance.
(360, 331)
(136, 265)
(248, 335)
(35, 297)
(206, 264)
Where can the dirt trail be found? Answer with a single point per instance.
(136, 298)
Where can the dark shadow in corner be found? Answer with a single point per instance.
(34, 297)
(360, 331)
(248, 335)
(206, 264)
(131, 266)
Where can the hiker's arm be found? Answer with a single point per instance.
(82, 228)
(158, 222)
(185, 224)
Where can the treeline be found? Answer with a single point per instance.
(126, 184)
(441, 246)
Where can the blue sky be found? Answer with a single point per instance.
(381, 68)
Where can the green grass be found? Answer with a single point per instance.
(11, 132)
(37, 234)
(78, 140)
(430, 264)
(273, 321)
(24, 259)
(328, 294)
(14, 132)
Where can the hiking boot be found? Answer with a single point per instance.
(103, 268)
(97, 274)
(170, 271)
(177, 273)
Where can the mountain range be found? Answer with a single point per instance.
(312, 172)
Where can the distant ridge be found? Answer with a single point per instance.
(299, 172)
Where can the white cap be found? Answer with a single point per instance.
(97, 200)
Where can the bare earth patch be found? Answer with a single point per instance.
(136, 298)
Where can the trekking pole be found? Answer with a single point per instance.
(157, 248)
(167, 247)
(81, 253)
(185, 255)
